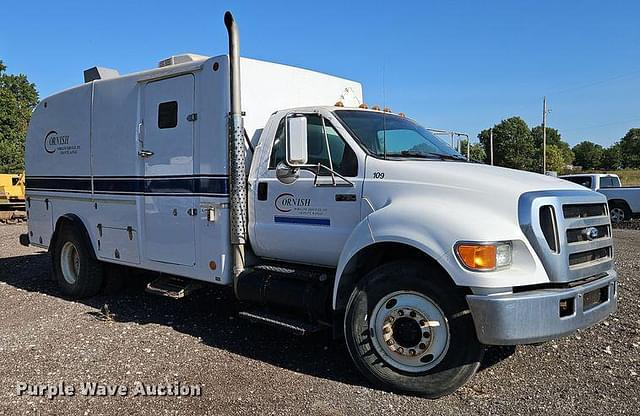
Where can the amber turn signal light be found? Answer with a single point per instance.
(477, 257)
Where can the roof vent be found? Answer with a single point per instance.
(180, 59)
(98, 72)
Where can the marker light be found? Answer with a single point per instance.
(363, 105)
(339, 104)
(484, 257)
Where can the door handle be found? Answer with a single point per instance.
(145, 153)
(263, 188)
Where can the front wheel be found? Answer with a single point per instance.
(408, 328)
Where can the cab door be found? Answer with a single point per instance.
(309, 220)
(167, 154)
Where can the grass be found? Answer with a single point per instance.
(628, 177)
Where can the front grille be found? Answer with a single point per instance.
(575, 235)
(570, 231)
(584, 210)
(578, 259)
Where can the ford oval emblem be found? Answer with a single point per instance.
(591, 233)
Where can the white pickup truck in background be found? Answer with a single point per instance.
(624, 202)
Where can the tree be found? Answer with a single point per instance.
(476, 151)
(630, 149)
(512, 144)
(555, 159)
(18, 97)
(588, 154)
(612, 157)
(553, 139)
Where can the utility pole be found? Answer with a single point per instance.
(544, 135)
(491, 144)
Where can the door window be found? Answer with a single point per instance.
(339, 153)
(168, 115)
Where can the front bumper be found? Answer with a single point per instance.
(534, 316)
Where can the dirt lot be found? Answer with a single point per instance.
(248, 369)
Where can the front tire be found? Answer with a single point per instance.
(408, 328)
(78, 274)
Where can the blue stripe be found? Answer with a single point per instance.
(180, 185)
(302, 220)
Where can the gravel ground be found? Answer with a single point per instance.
(247, 369)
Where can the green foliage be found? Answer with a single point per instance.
(18, 97)
(553, 139)
(588, 154)
(612, 157)
(630, 149)
(476, 151)
(555, 159)
(512, 144)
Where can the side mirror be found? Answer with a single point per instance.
(297, 153)
(286, 174)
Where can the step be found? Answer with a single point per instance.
(286, 323)
(172, 286)
(297, 273)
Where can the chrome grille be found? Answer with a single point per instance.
(570, 231)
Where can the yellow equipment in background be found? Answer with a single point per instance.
(11, 191)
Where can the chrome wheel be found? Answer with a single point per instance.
(70, 262)
(617, 214)
(410, 331)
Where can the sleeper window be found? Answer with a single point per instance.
(168, 115)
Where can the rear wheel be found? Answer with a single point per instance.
(619, 212)
(408, 328)
(78, 274)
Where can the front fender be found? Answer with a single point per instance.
(383, 226)
(433, 227)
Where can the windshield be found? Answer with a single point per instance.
(390, 136)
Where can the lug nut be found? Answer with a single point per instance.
(389, 342)
(401, 312)
(423, 322)
(412, 314)
(426, 335)
(412, 352)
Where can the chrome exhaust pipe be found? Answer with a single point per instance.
(237, 154)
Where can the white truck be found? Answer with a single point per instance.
(624, 202)
(318, 215)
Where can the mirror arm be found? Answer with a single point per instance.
(326, 142)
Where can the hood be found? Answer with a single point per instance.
(477, 177)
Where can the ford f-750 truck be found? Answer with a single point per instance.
(244, 173)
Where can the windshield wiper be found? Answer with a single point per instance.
(409, 153)
(428, 155)
(444, 156)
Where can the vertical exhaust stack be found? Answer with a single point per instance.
(237, 153)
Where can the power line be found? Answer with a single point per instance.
(595, 83)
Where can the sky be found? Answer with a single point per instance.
(462, 65)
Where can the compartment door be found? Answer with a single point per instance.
(169, 185)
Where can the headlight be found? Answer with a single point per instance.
(484, 257)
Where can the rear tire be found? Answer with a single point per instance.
(78, 274)
(408, 329)
(619, 212)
